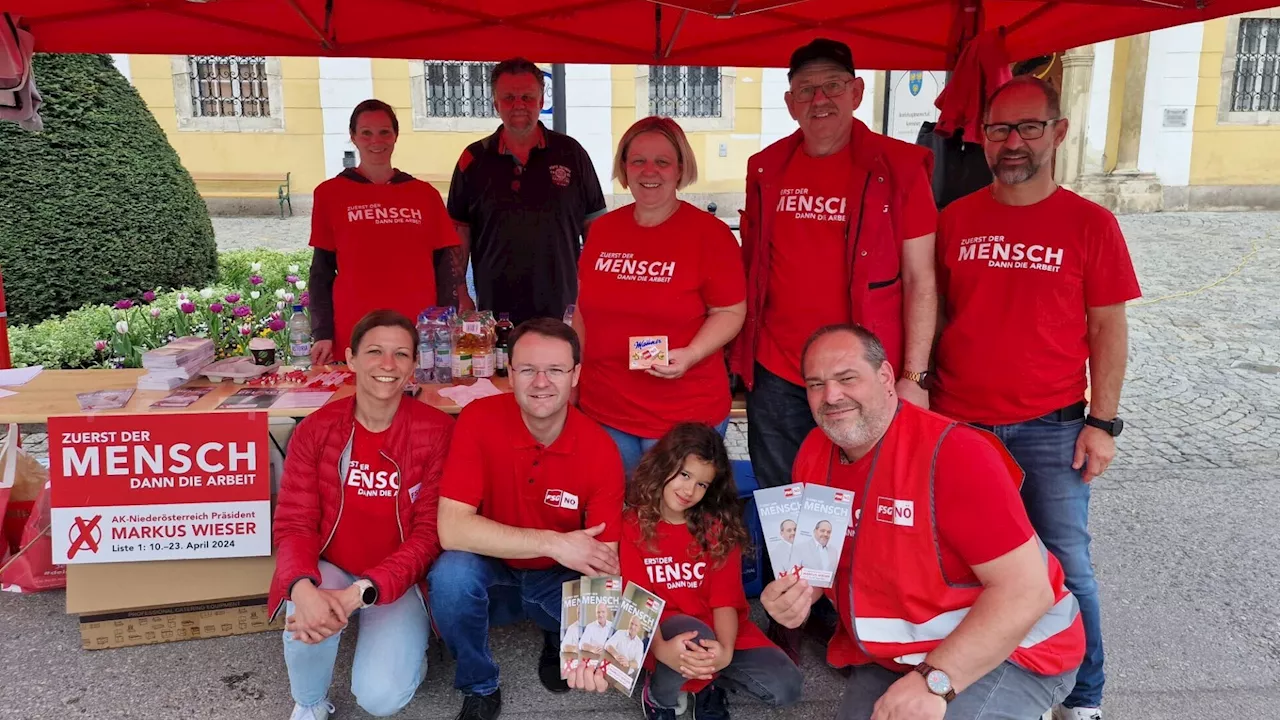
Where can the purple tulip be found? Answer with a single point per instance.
(255, 279)
(276, 325)
(291, 279)
(246, 330)
(155, 312)
(242, 311)
(275, 315)
(187, 307)
(100, 345)
(124, 304)
(149, 296)
(305, 300)
(233, 298)
(216, 308)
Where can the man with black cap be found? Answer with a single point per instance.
(838, 228)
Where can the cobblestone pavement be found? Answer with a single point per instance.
(1185, 527)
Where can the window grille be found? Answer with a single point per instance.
(459, 89)
(1256, 82)
(684, 91)
(228, 86)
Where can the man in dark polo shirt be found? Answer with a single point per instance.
(531, 497)
(521, 200)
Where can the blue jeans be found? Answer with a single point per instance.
(470, 593)
(778, 420)
(1006, 693)
(391, 653)
(765, 673)
(1057, 501)
(633, 447)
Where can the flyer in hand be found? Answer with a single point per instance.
(601, 598)
(779, 510)
(570, 625)
(823, 524)
(626, 649)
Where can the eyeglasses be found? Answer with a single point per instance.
(553, 374)
(1027, 129)
(832, 88)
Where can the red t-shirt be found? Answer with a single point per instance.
(1016, 283)
(641, 281)
(368, 530)
(978, 511)
(691, 586)
(809, 273)
(385, 237)
(496, 466)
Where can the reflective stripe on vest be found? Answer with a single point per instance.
(937, 628)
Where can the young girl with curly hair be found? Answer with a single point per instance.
(682, 539)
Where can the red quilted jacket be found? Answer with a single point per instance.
(309, 506)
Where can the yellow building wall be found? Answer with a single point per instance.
(1221, 153)
(298, 149)
(715, 174)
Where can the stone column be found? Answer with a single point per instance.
(1135, 85)
(1077, 83)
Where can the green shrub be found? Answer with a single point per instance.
(97, 205)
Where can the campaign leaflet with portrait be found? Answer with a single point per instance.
(601, 599)
(779, 510)
(570, 625)
(825, 514)
(626, 649)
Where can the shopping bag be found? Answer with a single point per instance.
(26, 563)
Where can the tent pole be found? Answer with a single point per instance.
(5, 361)
(324, 41)
(675, 34)
(559, 122)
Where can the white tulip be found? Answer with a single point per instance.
(280, 305)
(255, 295)
(293, 269)
(122, 327)
(301, 285)
(280, 293)
(255, 267)
(206, 293)
(288, 297)
(155, 312)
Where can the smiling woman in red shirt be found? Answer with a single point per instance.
(387, 232)
(659, 268)
(355, 528)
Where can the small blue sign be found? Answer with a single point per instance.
(547, 96)
(915, 81)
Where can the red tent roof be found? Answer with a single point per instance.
(750, 33)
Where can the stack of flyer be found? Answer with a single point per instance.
(804, 527)
(176, 363)
(604, 625)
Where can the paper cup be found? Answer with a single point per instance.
(263, 351)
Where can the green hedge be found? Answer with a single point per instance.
(98, 204)
(68, 342)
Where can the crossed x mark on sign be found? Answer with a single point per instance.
(82, 536)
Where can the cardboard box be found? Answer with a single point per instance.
(128, 604)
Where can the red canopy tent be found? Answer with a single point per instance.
(885, 34)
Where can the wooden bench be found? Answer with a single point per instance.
(246, 185)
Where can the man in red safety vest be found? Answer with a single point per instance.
(948, 603)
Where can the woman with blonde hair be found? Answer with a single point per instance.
(661, 285)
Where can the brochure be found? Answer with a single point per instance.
(184, 397)
(252, 399)
(104, 399)
(626, 649)
(303, 398)
(601, 599)
(779, 510)
(822, 527)
(570, 625)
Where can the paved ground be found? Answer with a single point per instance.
(1184, 524)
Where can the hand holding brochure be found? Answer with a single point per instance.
(601, 598)
(625, 651)
(779, 509)
(607, 628)
(805, 526)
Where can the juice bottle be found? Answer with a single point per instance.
(463, 343)
(502, 332)
(483, 356)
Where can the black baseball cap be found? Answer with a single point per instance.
(821, 49)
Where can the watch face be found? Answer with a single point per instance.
(1117, 427)
(939, 683)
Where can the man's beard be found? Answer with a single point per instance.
(866, 429)
(1016, 174)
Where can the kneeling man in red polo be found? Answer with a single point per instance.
(531, 497)
(949, 604)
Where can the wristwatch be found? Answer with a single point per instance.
(368, 593)
(937, 681)
(919, 378)
(1112, 427)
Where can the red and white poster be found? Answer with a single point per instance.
(127, 488)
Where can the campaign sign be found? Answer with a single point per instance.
(127, 488)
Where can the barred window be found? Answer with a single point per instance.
(1256, 82)
(459, 89)
(228, 86)
(684, 91)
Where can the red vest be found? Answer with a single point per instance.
(883, 172)
(901, 604)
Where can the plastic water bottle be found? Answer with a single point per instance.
(299, 339)
(443, 350)
(425, 372)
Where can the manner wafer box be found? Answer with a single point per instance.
(625, 651)
(647, 350)
(601, 599)
(779, 511)
(825, 514)
(570, 625)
